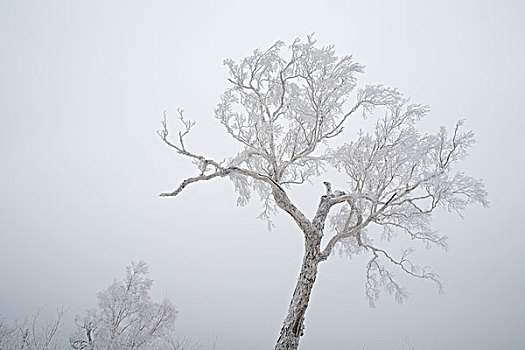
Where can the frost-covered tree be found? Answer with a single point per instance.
(126, 317)
(287, 111)
(31, 334)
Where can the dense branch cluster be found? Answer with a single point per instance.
(287, 113)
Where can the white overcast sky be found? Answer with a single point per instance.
(83, 85)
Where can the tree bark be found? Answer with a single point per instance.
(293, 325)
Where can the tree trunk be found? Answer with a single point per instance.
(293, 325)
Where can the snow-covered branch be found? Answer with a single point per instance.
(379, 277)
(186, 182)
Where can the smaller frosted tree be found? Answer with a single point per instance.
(126, 317)
(287, 112)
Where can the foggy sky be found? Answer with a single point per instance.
(83, 86)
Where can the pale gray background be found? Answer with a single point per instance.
(82, 88)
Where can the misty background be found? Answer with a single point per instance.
(83, 86)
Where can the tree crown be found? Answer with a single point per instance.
(284, 110)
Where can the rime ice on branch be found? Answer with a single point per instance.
(287, 112)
